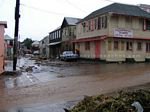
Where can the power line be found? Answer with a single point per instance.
(75, 6)
(43, 10)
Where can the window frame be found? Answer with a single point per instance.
(116, 45)
(129, 46)
(139, 46)
(87, 46)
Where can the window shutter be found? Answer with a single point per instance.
(144, 24)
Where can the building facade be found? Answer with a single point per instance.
(8, 47)
(117, 32)
(55, 38)
(68, 33)
(3, 25)
(36, 48)
(44, 47)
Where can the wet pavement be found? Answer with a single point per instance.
(55, 85)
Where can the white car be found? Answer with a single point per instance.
(68, 55)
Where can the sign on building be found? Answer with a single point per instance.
(123, 33)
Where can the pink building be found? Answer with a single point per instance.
(3, 25)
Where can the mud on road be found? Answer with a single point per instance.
(61, 83)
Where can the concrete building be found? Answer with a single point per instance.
(55, 38)
(8, 47)
(3, 25)
(44, 47)
(117, 32)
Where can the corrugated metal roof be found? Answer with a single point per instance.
(71, 20)
(123, 9)
(7, 37)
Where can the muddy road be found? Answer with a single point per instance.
(62, 84)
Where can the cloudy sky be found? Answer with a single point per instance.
(39, 17)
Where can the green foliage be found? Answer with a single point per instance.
(28, 42)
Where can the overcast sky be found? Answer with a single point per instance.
(39, 17)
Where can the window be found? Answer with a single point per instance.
(105, 21)
(78, 46)
(116, 45)
(128, 19)
(95, 24)
(109, 45)
(139, 46)
(147, 47)
(11, 42)
(129, 46)
(59, 33)
(87, 45)
(89, 25)
(56, 34)
(99, 22)
(146, 25)
(92, 24)
(69, 31)
(84, 26)
(102, 22)
(122, 45)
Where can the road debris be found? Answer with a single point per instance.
(118, 103)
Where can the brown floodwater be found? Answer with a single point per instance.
(58, 85)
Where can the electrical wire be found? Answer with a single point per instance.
(43, 10)
(75, 6)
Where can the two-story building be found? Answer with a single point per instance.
(44, 47)
(3, 25)
(68, 33)
(55, 39)
(117, 32)
(8, 47)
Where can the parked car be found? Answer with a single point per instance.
(68, 55)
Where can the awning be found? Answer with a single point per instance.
(54, 43)
(90, 39)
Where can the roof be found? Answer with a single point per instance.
(3, 23)
(117, 8)
(7, 37)
(71, 20)
(58, 28)
(35, 43)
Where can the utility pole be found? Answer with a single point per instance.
(15, 50)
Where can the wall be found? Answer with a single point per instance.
(2, 48)
(68, 35)
(93, 33)
(122, 54)
(135, 24)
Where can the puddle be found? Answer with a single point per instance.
(44, 107)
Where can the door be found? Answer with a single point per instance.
(97, 49)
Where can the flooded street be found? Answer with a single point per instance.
(55, 85)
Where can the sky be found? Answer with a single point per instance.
(39, 17)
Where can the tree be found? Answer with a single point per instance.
(28, 43)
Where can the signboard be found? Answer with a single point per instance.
(123, 33)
